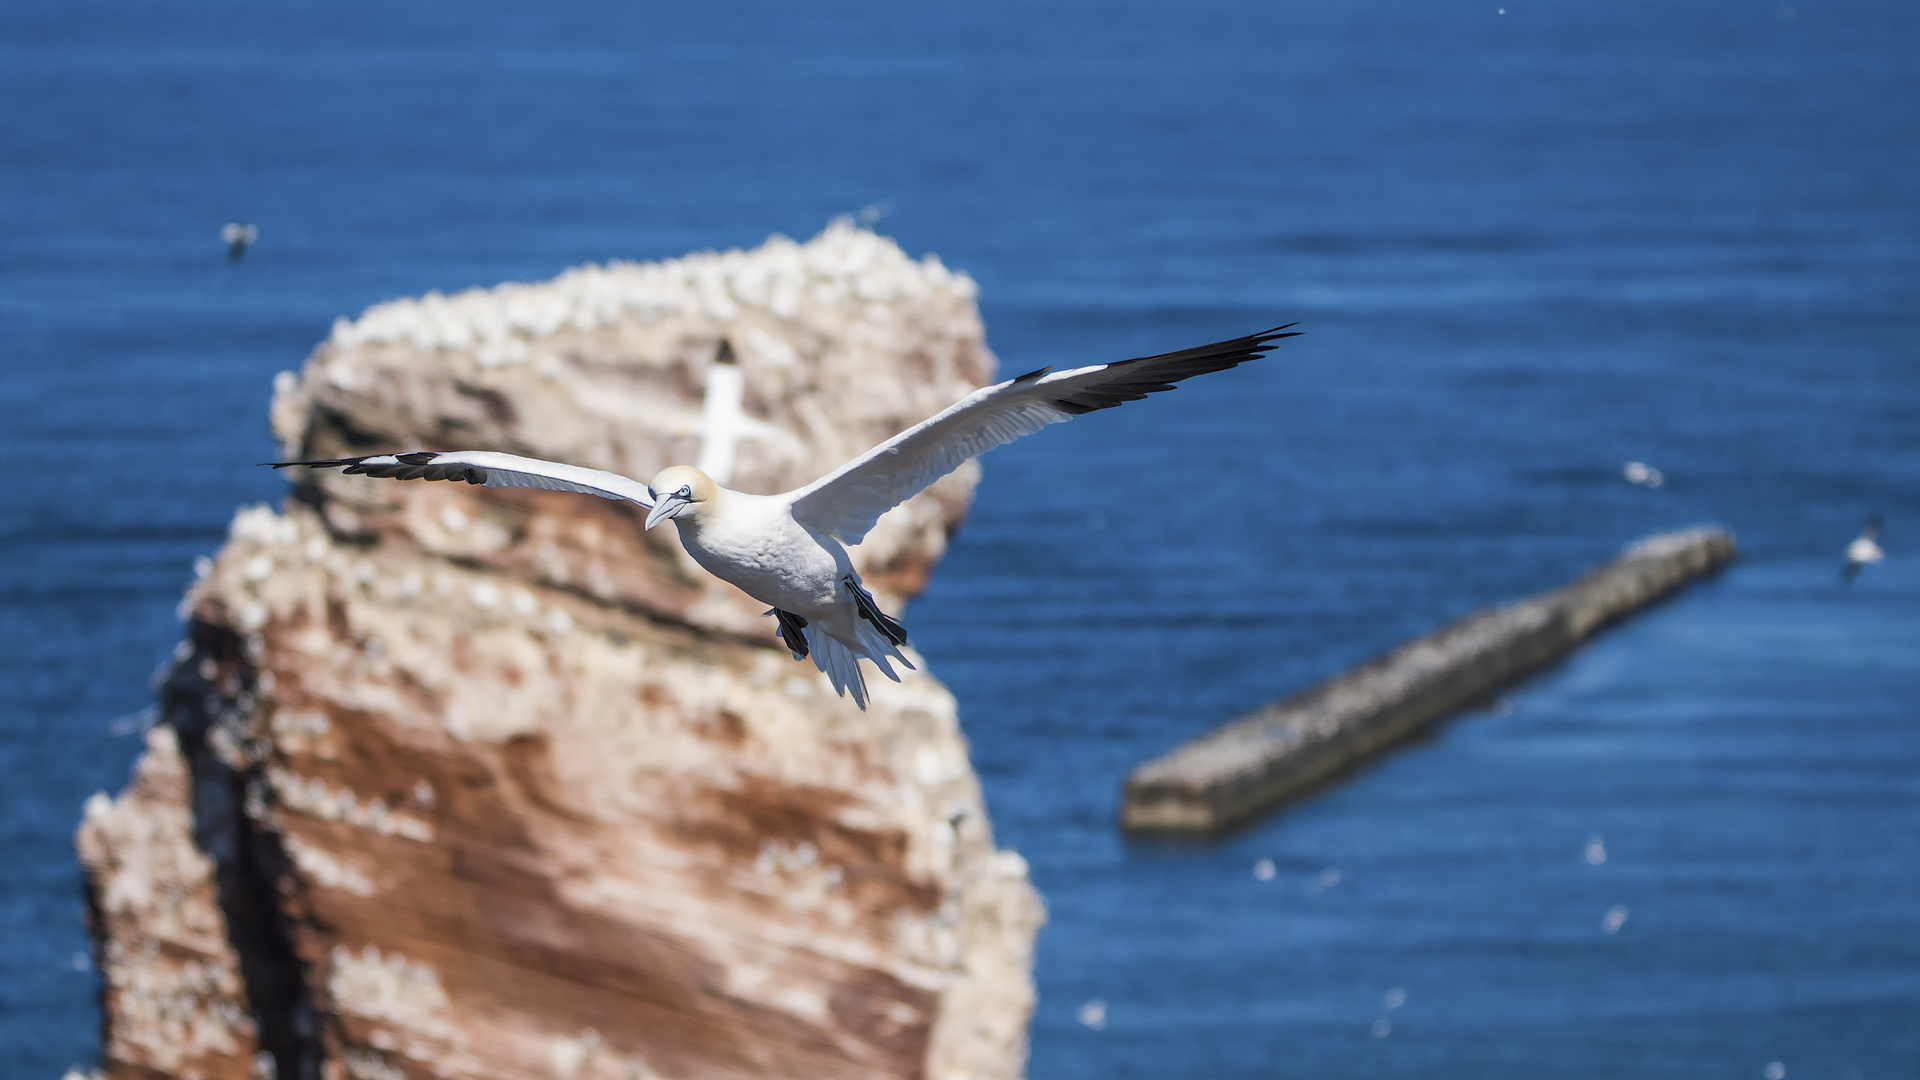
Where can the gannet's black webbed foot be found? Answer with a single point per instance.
(870, 611)
(791, 626)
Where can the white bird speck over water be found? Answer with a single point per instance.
(1396, 997)
(1639, 472)
(1093, 1015)
(1382, 1028)
(1776, 1070)
(1596, 849)
(1615, 918)
(1324, 880)
(1865, 550)
(1264, 870)
(237, 235)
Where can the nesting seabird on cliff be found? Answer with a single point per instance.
(1864, 549)
(788, 550)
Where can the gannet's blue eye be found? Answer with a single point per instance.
(685, 492)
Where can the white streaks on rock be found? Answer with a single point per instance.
(171, 980)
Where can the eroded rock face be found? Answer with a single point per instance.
(532, 795)
(171, 977)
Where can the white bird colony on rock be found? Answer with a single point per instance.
(787, 550)
(844, 266)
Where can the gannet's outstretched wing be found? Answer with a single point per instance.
(489, 468)
(846, 502)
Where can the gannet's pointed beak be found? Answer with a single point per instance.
(668, 506)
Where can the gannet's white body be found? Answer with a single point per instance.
(789, 550)
(756, 543)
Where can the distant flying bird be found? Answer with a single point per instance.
(1639, 472)
(786, 550)
(1864, 549)
(1614, 919)
(237, 235)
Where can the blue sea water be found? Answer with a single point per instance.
(1526, 243)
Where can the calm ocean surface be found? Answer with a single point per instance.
(1526, 247)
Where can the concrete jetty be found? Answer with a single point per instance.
(1236, 771)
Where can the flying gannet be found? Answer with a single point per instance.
(237, 235)
(1864, 549)
(1639, 472)
(788, 550)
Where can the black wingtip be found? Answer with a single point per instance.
(1255, 345)
(1131, 380)
(326, 463)
(1275, 334)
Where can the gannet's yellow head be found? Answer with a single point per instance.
(681, 491)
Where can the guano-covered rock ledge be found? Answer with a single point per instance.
(454, 781)
(1236, 771)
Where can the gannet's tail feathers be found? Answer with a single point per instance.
(880, 650)
(837, 660)
(840, 661)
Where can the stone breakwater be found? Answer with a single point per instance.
(1236, 771)
(460, 782)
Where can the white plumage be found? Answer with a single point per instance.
(788, 550)
(1863, 551)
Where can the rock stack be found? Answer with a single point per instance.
(462, 782)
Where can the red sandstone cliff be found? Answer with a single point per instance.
(458, 782)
